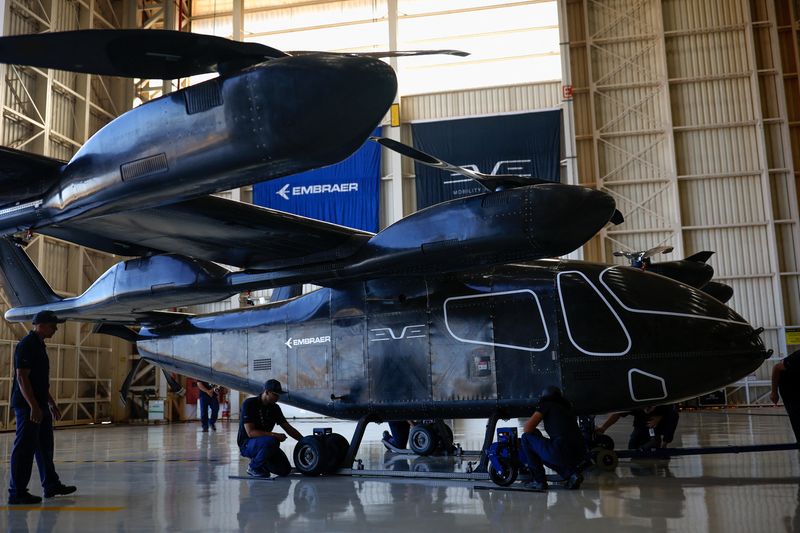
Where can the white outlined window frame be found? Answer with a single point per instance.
(662, 313)
(608, 305)
(492, 294)
(649, 375)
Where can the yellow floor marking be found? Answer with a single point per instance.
(47, 508)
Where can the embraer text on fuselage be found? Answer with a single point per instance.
(291, 343)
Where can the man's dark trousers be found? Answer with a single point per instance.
(265, 453)
(205, 402)
(541, 451)
(32, 441)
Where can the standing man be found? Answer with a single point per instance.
(35, 411)
(256, 439)
(563, 451)
(786, 380)
(208, 398)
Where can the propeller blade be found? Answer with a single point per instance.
(489, 182)
(158, 54)
(386, 53)
(657, 250)
(126, 385)
(617, 219)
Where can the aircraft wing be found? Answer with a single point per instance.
(215, 229)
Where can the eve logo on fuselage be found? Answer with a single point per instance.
(300, 190)
(388, 334)
(293, 343)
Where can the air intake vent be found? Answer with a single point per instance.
(202, 97)
(262, 364)
(144, 167)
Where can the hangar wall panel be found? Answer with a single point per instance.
(687, 113)
(476, 102)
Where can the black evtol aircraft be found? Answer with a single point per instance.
(429, 318)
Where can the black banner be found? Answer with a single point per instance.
(527, 144)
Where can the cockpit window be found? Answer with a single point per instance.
(511, 319)
(592, 325)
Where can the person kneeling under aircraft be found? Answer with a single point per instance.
(256, 439)
(653, 427)
(563, 452)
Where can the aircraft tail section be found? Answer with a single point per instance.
(20, 279)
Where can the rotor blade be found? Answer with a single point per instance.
(158, 54)
(126, 385)
(387, 53)
(489, 182)
(657, 250)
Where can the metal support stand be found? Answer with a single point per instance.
(355, 443)
(488, 438)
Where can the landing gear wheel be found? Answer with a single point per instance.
(421, 440)
(310, 456)
(604, 441)
(447, 439)
(508, 476)
(336, 447)
(605, 459)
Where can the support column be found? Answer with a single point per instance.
(395, 160)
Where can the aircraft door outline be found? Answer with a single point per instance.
(608, 305)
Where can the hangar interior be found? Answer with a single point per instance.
(687, 112)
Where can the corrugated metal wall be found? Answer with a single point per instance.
(53, 113)
(681, 115)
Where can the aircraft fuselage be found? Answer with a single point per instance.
(614, 338)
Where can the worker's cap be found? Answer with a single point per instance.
(273, 385)
(47, 317)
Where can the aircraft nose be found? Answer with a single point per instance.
(325, 105)
(563, 217)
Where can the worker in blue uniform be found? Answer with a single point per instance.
(257, 441)
(653, 427)
(786, 386)
(35, 411)
(209, 399)
(563, 451)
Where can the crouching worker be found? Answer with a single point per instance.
(563, 451)
(256, 439)
(653, 427)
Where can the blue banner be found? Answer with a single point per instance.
(526, 144)
(346, 193)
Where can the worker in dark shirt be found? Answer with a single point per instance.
(563, 451)
(653, 427)
(256, 439)
(35, 411)
(786, 386)
(209, 398)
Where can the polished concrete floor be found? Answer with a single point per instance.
(174, 478)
